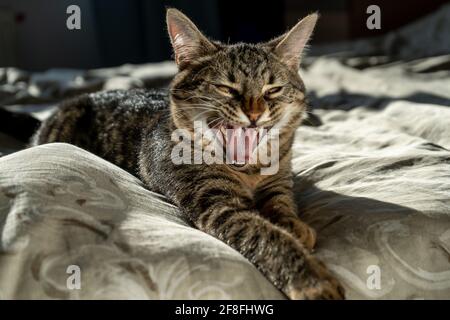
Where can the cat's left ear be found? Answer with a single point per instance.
(187, 41)
(289, 47)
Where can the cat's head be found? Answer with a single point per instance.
(237, 85)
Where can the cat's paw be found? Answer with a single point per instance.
(315, 284)
(323, 290)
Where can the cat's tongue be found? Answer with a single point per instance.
(240, 144)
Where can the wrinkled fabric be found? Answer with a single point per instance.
(371, 170)
(61, 206)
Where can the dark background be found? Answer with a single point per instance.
(33, 33)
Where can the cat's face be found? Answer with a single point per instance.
(238, 88)
(240, 85)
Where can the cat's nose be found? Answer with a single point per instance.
(253, 109)
(253, 116)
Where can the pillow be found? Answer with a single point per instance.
(75, 226)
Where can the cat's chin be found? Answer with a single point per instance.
(244, 167)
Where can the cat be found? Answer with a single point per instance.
(238, 87)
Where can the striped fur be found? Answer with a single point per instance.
(253, 213)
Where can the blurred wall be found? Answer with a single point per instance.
(115, 32)
(394, 14)
(42, 39)
(342, 20)
(135, 31)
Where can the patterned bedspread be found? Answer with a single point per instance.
(372, 175)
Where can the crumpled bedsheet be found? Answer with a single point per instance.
(372, 175)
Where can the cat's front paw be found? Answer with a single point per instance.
(315, 283)
(323, 290)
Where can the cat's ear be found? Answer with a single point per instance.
(187, 41)
(289, 47)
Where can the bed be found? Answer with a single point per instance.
(371, 167)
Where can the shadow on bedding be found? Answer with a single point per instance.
(345, 100)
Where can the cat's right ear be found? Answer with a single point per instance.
(187, 41)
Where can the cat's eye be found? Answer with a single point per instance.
(226, 89)
(272, 91)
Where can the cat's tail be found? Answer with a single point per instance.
(20, 126)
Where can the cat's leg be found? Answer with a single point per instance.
(218, 205)
(276, 203)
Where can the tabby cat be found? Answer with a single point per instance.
(237, 87)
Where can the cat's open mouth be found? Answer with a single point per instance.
(240, 143)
